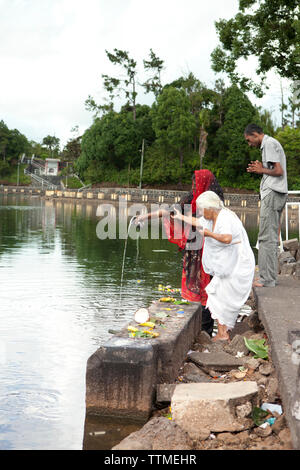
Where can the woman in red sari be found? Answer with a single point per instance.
(194, 279)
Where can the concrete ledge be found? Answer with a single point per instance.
(278, 309)
(122, 375)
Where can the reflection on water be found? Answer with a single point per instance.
(59, 294)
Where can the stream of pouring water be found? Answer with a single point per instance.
(123, 265)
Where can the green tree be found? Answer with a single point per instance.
(155, 65)
(228, 142)
(4, 139)
(290, 140)
(52, 143)
(114, 142)
(173, 122)
(111, 84)
(266, 29)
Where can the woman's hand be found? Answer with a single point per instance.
(177, 215)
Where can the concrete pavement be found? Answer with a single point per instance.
(279, 311)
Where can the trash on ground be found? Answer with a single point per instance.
(264, 425)
(272, 407)
(240, 374)
(239, 354)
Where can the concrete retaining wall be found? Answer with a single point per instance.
(122, 375)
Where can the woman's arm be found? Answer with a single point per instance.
(220, 237)
(151, 215)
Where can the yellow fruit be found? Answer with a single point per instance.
(132, 329)
(148, 323)
(166, 299)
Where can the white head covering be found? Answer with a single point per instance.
(209, 200)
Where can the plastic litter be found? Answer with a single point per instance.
(272, 407)
(264, 425)
(271, 421)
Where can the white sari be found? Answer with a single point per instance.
(232, 267)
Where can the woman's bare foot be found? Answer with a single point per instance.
(220, 338)
(222, 334)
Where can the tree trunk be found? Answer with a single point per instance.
(202, 144)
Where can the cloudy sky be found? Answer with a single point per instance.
(52, 54)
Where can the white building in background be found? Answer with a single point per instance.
(51, 166)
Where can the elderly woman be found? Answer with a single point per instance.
(194, 279)
(227, 257)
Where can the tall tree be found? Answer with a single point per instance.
(266, 29)
(228, 142)
(155, 65)
(52, 143)
(111, 84)
(173, 122)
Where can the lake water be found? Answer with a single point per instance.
(60, 293)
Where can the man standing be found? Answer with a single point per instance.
(273, 197)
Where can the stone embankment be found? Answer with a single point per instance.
(132, 195)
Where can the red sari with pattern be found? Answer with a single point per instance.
(194, 279)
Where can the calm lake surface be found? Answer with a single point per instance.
(60, 294)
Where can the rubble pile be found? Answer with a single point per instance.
(226, 396)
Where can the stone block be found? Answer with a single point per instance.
(286, 257)
(218, 361)
(237, 345)
(122, 375)
(120, 379)
(291, 245)
(164, 392)
(212, 407)
(288, 269)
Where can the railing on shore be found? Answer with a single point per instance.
(292, 204)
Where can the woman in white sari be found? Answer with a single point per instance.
(227, 257)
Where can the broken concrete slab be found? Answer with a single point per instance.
(213, 407)
(219, 361)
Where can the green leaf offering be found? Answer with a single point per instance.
(257, 346)
(259, 415)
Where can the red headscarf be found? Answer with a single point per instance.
(202, 181)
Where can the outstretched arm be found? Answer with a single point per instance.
(151, 215)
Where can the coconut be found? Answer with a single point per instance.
(142, 315)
